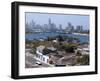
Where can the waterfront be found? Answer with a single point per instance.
(31, 36)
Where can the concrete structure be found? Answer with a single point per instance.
(54, 57)
(40, 55)
(83, 49)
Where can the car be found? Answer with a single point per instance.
(39, 63)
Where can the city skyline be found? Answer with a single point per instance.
(57, 19)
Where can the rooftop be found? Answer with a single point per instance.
(83, 46)
(51, 48)
(40, 48)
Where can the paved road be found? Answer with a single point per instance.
(30, 61)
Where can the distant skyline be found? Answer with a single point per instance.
(42, 18)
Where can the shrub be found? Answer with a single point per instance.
(69, 48)
(78, 53)
(83, 61)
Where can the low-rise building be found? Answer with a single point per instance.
(42, 55)
(83, 49)
(53, 56)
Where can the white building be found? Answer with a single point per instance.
(83, 49)
(40, 55)
(55, 41)
(44, 57)
(54, 57)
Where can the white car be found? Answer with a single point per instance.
(39, 63)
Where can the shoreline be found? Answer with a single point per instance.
(81, 34)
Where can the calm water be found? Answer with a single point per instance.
(82, 38)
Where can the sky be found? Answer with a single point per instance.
(42, 18)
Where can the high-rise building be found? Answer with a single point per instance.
(70, 27)
(60, 28)
(79, 28)
(49, 21)
(51, 26)
(45, 28)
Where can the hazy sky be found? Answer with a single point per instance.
(42, 18)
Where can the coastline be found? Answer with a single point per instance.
(81, 34)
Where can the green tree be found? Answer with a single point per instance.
(69, 48)
(78, 53)
(84, 60)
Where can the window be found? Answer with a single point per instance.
(47, 60)
(43, 59)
